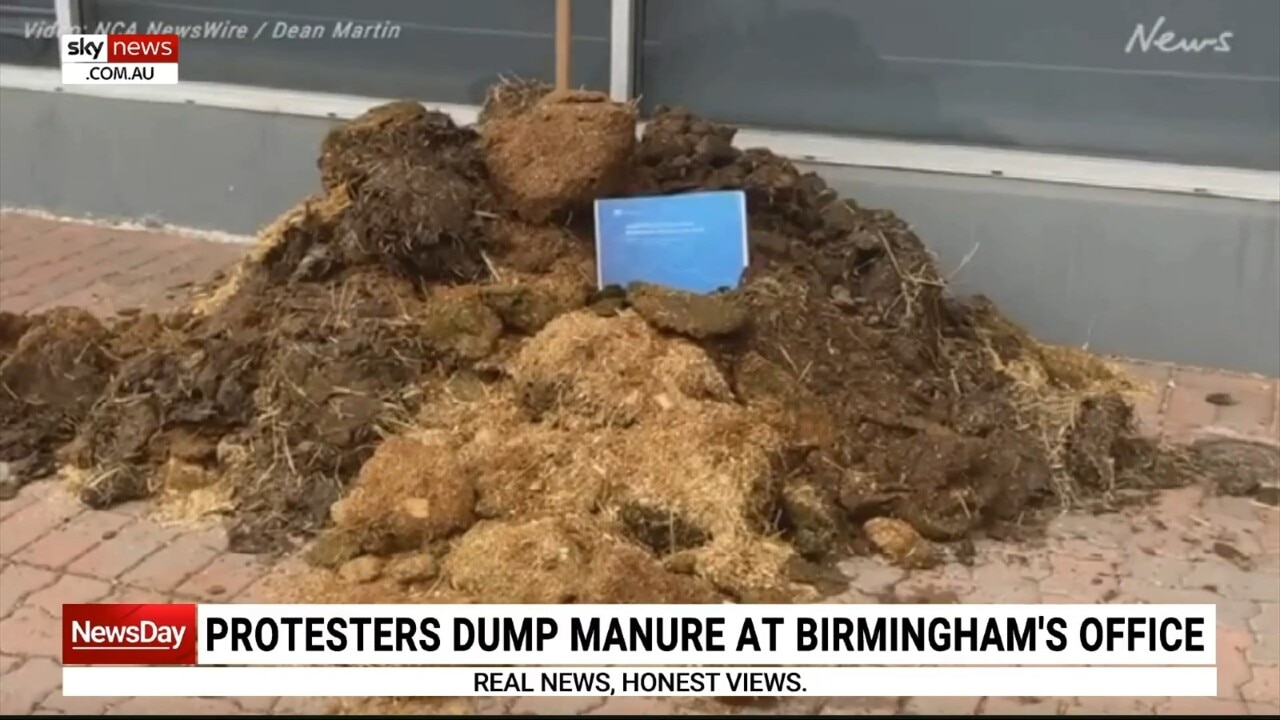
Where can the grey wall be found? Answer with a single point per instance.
(205, 168)
(1159, 276)
(1169, 277)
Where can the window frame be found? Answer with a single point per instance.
(625, 29)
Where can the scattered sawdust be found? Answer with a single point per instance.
(585, 371)
(561, 560)
(511, 98)
(198, 506)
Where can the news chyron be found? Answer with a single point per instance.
(119, 59)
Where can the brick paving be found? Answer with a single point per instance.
(54, 551)
(45, 263)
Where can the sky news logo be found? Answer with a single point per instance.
(129, 634)
(119, 59)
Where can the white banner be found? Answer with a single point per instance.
(687, 635)
(120, 74)
(130, 681)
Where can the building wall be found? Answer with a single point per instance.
(1151, 275)
(1161, 276)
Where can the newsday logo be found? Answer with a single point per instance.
(129, 634)
(146, 635)
(119, 59)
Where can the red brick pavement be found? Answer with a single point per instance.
(44, 263)
(54, 551)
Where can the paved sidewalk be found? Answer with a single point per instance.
(1189, 547)
(45, 263)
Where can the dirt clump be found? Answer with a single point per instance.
(354, 151)
(412, 568)
(680, 151)
(408, 493)
(54, 369)
(361, 570)
(461, 326)
(193, 392)
(297, 246)
(335, 380)
(539, 249)
(527, 307)
(814, 525)
(902, 544)
(781, 396)
(559, 153)
(689, 314)
(1236, 467)
(416, 219)
(413, 181)
(12, 328)
(952, 484)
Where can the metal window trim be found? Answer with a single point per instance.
(1112, 172)
(68, 15)
(218, 95)
(1106, 172)
(622, 35)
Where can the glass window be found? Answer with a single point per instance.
(442, 50)
(27, 35)
(1194, 81)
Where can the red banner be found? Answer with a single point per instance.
(142, 48)
(129, 634)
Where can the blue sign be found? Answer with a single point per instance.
(695, 242)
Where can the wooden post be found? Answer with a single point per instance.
(564, 34)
